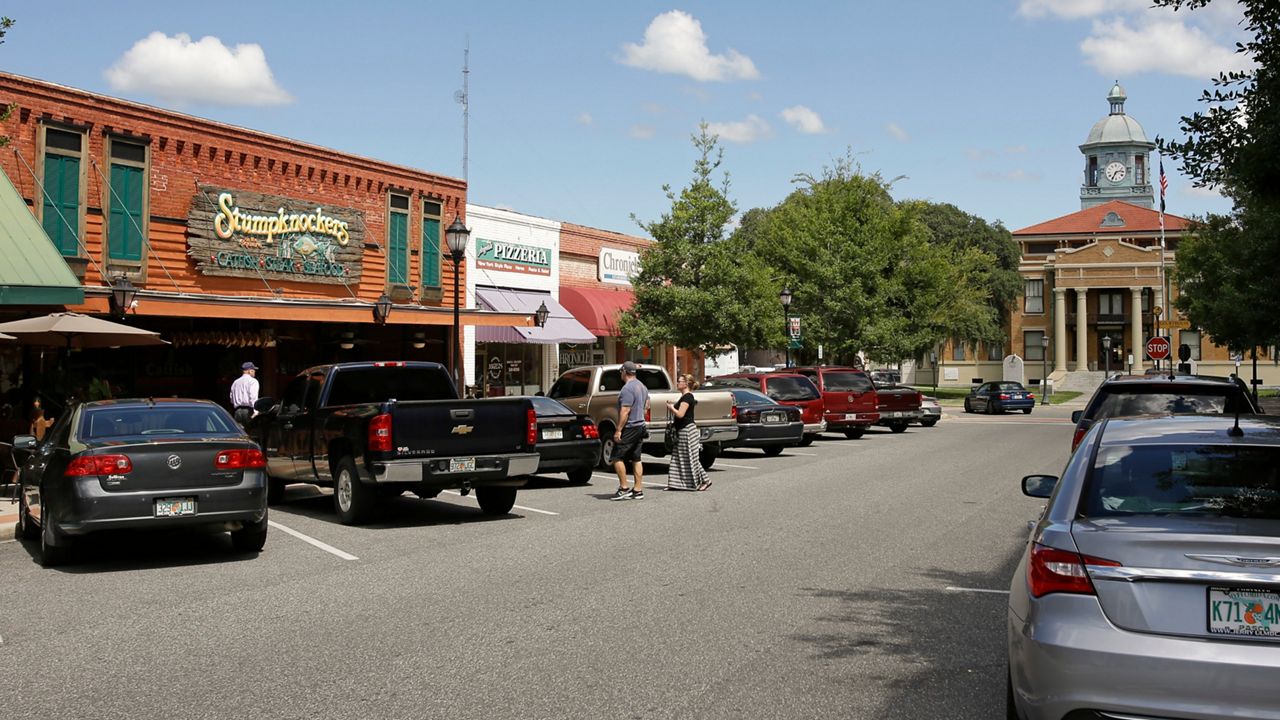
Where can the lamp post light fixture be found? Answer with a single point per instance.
(1106, 350)
(123, 294)
(784, 297)
(419, 340)
(1044, 370)
(457, 236)
(541, 314)
(382, 309)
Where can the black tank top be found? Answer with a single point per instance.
(684, 422)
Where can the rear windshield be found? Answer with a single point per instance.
(1204, 480)
(611, 380)
(791, 388)
(1166, 401)
(547, 406)
(109, 422)
(379, 384)
(751, 397)
(846, 382)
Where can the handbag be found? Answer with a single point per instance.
(671, 436)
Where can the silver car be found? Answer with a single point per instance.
(1150, 587)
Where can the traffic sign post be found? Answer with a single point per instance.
(1158, 348)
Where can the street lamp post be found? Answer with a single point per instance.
(933, 358)
(456, 236)
(1044, 371)
(785, 298)
(1106, 350)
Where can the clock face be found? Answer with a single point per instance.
(1115, 172)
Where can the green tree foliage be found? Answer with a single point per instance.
(5, 24)
(1224, 290)
(957, 229)
(696, 288)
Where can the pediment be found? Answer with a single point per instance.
(1107, 250)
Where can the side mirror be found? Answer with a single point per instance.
(24, 442)
(264, 404)
(1076, 415)
(1039, 486)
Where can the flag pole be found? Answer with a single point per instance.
(1164, 273)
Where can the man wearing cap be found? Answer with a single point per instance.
(628, 438)
(244, 393)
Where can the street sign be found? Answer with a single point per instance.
(1157, 348)
(1174, 324)
(1237, 357)
(1157, 310)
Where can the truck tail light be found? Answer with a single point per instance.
(380, 433)
(397, 363)
(733, 410)
(647, 415)
(99, 465)
(920, 398)
(590, 431)
(1060, 571)
(249, 459)
(531, 432)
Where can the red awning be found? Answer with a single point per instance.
(597, 308)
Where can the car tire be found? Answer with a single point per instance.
(606, 445)
(854, 434)
(250, 538)
(928, 423)
(772, 450)
(806, 441)
(580, 476)
(708, 456)
(967, 407)
(1010, 706)
(898, 427)
(352, 499)
(53, 544)
(275, 490)
(25, 529)
(496, 500)
(1026, 410)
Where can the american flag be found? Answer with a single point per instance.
(1164, 185)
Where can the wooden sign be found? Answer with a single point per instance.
(234, 233)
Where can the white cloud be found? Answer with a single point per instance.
(1161, 45)
(803, 119)
(642, 132)
(585, 119)
(1076, 9)
(741, 131)
(204, 71)
(897, 132)
(674, 43)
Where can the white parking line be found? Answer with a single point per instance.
(518, 507)
(794, 452)
(740, 467)
(312, 541)
(977, 590)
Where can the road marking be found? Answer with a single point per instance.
(518, 507)
(793, 452)
(604, 474)
(5, 542)
(312, 541)
(740, 467)
(977, 590)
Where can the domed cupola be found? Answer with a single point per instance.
(1117, 158)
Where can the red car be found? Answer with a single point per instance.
(848, 395)
(788, 389)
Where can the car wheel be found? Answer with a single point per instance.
(806, 441)
(772, 450)
(496, 500)
(53, 547)
(928, 423)
(854, 434)
(580, 476)
(967, 407)
(898, 427)
(251, 537)
(24, 529)
(1026, 410)
(606, 444)
(352, 498)
(708, 456)
(275, 490)
(1010, 707)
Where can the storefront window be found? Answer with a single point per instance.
(511, 369)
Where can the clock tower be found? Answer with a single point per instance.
(1117, 159)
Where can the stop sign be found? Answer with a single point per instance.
(1157, 348)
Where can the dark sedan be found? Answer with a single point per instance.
(765, 423)
(122, 464)
(997, 397)
(567, 442)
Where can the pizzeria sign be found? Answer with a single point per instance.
(512, 257)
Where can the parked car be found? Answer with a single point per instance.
(1131, 395)
(849, 400)
(567, 442)
(998, 397)
(764, 422)
(930, 411)
(898, 405)
(788, 389)
(593, 391)
(886, 377)
(141, 464)
(377, 429)
(1150, 585)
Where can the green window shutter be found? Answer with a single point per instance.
(398, 256)
(124, 230)
(431, 253)
(61, 213)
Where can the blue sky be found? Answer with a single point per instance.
(582, 111)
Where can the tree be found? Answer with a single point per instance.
(695, 288)
(5, 24)
(1223, 290)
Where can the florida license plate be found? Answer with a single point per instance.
(850, 416)
(553, 434)
(1244, 611)
(175, 507)
(895, 414)
(462, 464)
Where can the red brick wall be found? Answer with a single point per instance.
(580, 250)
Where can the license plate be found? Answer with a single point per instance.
(895, 414)
(553, 434)
(462, 464)
(850, 416)
(175, 507)
(1244, 611)
(772, 418)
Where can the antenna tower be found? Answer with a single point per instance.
(463, 98)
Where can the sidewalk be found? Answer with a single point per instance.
(8, 517)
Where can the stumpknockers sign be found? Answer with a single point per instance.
(243, 234)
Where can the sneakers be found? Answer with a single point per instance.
(624, 494)
(637, 494)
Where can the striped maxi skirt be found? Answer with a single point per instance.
(686, 471)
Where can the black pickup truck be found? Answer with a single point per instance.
(371, 429)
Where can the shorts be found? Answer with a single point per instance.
(628, 448)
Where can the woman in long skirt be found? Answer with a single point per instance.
(686, 471)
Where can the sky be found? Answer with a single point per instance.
(582, 111)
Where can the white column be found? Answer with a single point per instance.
(1082, 329)
(1059, 329)
(1135, 327)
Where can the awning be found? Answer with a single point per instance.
(560, 327)
(597, 308)
(33, 271)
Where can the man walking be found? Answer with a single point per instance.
(244, 393)
(628, 438)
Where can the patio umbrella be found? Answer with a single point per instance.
(73, 330)
(7, 337)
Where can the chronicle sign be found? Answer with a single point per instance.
(243, 234)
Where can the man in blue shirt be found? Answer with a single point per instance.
(630, 435)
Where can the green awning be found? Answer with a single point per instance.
(32, 271)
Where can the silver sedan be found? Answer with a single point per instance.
(1150, 587)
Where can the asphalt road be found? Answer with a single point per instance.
(840, 580)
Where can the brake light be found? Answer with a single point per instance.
(1004, 396)
(590, 431)
(748, 416)
(1060, 571)
(920, 398)
(380, 433)
(99, 465)
(647, 414)
(1031, 396)
(399, 363)
(1075, 439)
(531, 433)
(251, 458)
(733, 410)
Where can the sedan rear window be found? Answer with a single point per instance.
(109, 422)
(1201, 480)
(791, 389)
(1166, 401)
(846, 382)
